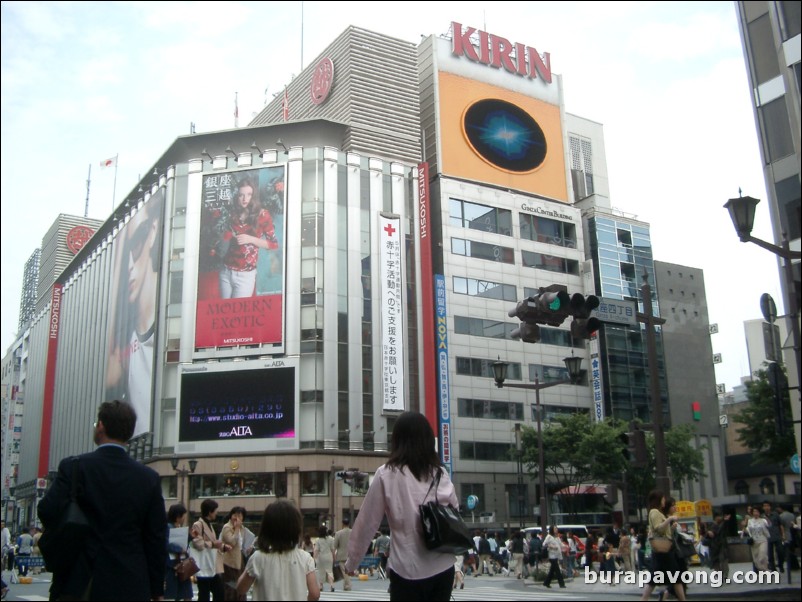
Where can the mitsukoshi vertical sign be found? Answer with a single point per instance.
(392, 314)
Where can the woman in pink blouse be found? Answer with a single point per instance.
(397, 489)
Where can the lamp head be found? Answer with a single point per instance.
(742, 213)
(193, 464)
(174, 462)
(574, 366)
(500, 372)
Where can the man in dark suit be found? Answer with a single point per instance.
(123, 557)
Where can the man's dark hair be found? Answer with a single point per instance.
(175, 512)
(346, 521)
(207, 507)
(118, 418)
(281, 527)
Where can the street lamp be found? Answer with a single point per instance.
(742, 212)
(183, 472)
(500, 375)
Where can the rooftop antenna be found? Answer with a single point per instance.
(88, 179)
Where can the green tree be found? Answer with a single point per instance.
(685, 462)
(759, 431)
(576, 451)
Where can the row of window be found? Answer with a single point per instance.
(475, 216)
(269, 484)
(498, 253)
(494, 329)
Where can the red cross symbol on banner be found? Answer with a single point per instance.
(389, 229)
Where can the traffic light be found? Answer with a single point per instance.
(583, 326)
(547, 307)
(779, 385)
(634, 449)
(528, 333)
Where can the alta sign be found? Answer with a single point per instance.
(500, 53)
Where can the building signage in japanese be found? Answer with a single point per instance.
(442, 372)
(392, 314)
(596, 379)
(617, 311)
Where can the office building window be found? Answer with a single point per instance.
(488, 452)
(550, 231)
(474, 366)
(481, 250)
(464, 214)
(484, 288)
(776, 133)
(493, 410)
(551, 263)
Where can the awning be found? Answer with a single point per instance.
(583, 490)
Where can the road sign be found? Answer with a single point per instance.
(721, 388)
(472, 501)
(768, 308)
(795, 463)
(713, 328)
(724, 420)
(716, 358)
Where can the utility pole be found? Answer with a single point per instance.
(647, 317)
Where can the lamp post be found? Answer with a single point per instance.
(742, 212)
(181, 473)
(500, 375)
(520, 457)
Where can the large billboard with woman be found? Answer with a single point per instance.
(133, 312)
(241, 264)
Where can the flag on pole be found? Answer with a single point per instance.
(112, 162)
(236, 111)
(285, 105)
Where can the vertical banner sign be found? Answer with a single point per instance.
(596, 379)
(442, 373)
(427, 298)
(392, 315)
(50, 379)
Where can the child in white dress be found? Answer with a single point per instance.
(279, 569)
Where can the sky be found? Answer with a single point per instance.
(83, 82)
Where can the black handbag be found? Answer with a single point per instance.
(683, 545)
(443, 527)
(59, 544)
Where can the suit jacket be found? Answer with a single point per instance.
(124, 554)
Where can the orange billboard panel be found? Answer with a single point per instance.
(497, 136)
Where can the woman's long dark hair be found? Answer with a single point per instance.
(412, 446)
(655, 499)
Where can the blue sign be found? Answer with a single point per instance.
(795, 463)
(472, 501)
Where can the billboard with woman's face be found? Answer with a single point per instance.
(241, 264)
(133, 310)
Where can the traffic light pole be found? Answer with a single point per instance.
(663, 483)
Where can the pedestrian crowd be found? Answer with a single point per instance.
(107, 536)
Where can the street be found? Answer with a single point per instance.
(500, 588)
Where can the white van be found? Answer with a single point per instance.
(580, 531)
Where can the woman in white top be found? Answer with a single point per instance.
(553, 544)
(396, 491)
(758, 529)
(279, 569)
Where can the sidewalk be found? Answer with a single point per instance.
(697, 588)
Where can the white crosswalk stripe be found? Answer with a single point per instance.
(528, 592)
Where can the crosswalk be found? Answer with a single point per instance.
(478, 592)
